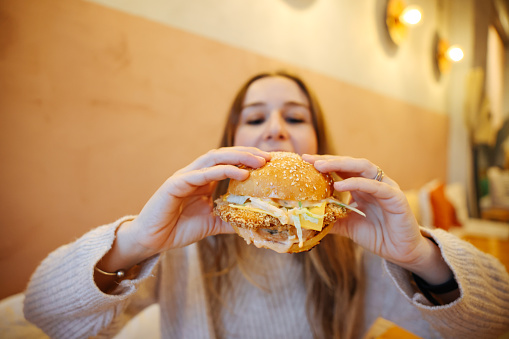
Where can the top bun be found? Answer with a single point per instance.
(286, 176)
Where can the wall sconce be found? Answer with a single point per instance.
(445, 54)
(398, 17)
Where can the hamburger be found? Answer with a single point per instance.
(287, 205)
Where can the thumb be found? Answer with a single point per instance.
(222, 227)
(341, 229)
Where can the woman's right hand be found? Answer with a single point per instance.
(180, 211)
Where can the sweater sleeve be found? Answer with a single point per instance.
(64, 301)
(482, 309)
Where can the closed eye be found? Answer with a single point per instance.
(294, 120)
(257, 121)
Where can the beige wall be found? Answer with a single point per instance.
(343, 39)
(347, 41)
(98, 108)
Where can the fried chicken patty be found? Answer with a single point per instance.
(264, 223)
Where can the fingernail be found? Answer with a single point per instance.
(262, 159)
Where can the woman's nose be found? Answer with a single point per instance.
(276, 129)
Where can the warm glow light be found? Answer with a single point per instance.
(399, 18)
(411, 15)
(454, 53)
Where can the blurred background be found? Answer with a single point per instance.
(101, 101)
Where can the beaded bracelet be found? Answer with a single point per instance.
(426, 289)
(119, 273)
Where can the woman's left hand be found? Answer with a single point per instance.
(389, 229)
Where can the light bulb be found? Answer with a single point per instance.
(454, 53)
(411, 15)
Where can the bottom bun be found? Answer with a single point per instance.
(281, 247)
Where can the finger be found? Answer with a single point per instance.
(206, 190)
(340, 228)
(369, 186)
(347, 166)
(389, 197)
(223, 227)
(313, 157)
(249, 156)
(186, 183)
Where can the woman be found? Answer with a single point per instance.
(220, 287)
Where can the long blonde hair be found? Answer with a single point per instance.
(333, 271)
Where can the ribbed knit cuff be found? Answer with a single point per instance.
(403, 278)
(62, 290)
(484, 290)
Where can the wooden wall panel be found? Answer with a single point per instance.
(98, 108)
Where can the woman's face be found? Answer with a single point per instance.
(276, 117)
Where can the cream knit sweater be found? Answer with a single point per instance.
(63, 300)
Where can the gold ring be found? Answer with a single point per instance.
(379, 174)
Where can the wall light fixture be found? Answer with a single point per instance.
(398, 17)
(445, 54)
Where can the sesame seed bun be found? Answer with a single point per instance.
(286, 178)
